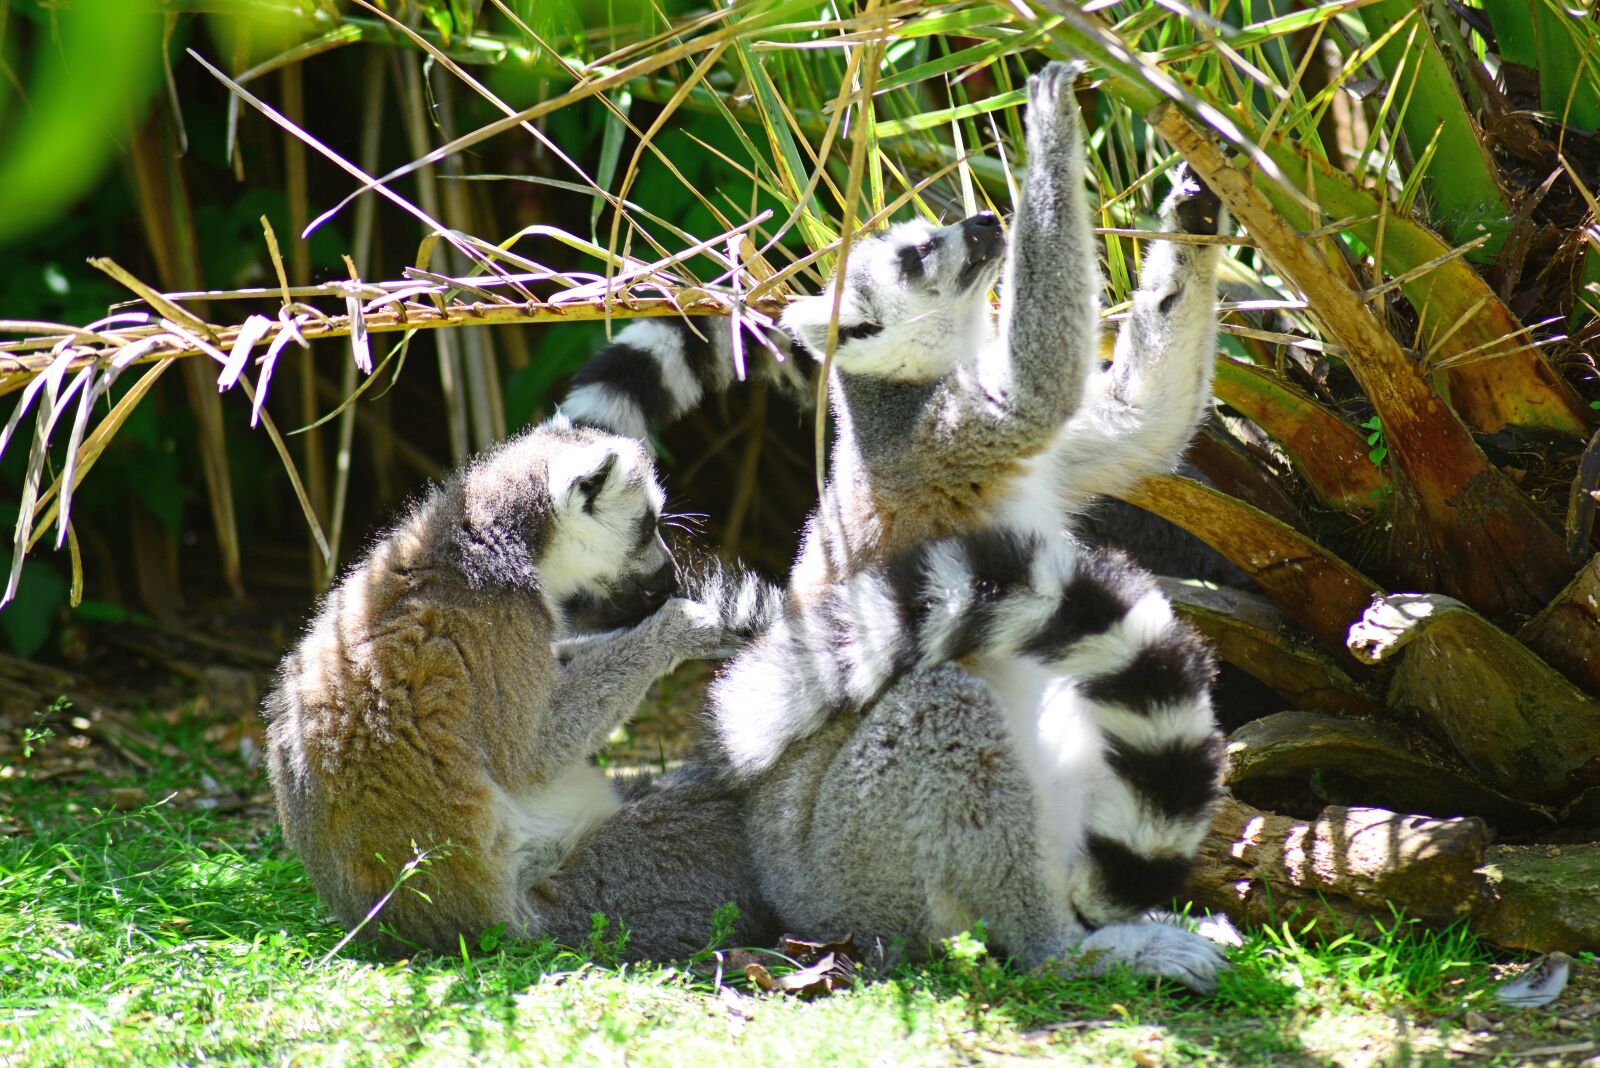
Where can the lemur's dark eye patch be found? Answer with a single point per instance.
(857, 331)
(911, 257)
(649, 525)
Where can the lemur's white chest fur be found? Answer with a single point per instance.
(1030, 502)
(1056, 744)
(548, 820)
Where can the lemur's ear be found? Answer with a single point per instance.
(590, 485)
(577, 478)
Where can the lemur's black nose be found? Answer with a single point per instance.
(981, 234)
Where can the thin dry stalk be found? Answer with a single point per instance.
(656, 60)
(362, 239)
(295, 183)
(21, 365)
(40, 363)
(847, 233)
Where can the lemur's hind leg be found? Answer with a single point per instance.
(661, 867)
(931, 809)
(1141, 411)
(924, 822)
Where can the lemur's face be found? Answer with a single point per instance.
(605, 564)
(915, 300)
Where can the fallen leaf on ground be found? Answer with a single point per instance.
(727, 962)
(805, 951)
(740, 1009)
(127, 798)
(1540, 984)
(832, 972)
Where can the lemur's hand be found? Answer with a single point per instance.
(721, 609)
(1050, 90)
(1191, 207)
(745, 603)
(1052, 115)
(688, 628)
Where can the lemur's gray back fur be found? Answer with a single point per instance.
(425, 709)
(1053, 786)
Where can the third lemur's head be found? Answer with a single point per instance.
(574, 513)
(605, 562)
(914, 301)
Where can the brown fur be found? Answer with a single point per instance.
(425, 712)
(409, 730)
(937, 509)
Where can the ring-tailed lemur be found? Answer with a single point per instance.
(1010, 768)
(425, 709)
(1073, 655)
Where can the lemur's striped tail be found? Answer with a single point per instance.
(656, 370)
(1089, 616)
(745, 603)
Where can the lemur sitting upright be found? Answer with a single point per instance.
(894, 790)
(426, 709)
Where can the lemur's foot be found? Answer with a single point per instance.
(1191, 206)
(1154, 948)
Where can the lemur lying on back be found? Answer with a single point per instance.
(955, 721)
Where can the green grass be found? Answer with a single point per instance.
(168, 934)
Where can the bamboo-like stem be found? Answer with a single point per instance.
(169, 226)
(371, 142)
(744, 493)
(19, 366)
(295, 183)
(414, 109)
(480, 370)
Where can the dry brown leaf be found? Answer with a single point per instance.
(127, 798)
(832, 972)
(759, 976)
(828, 966)
(805, 951)
(726, 962)
(738, 1006)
